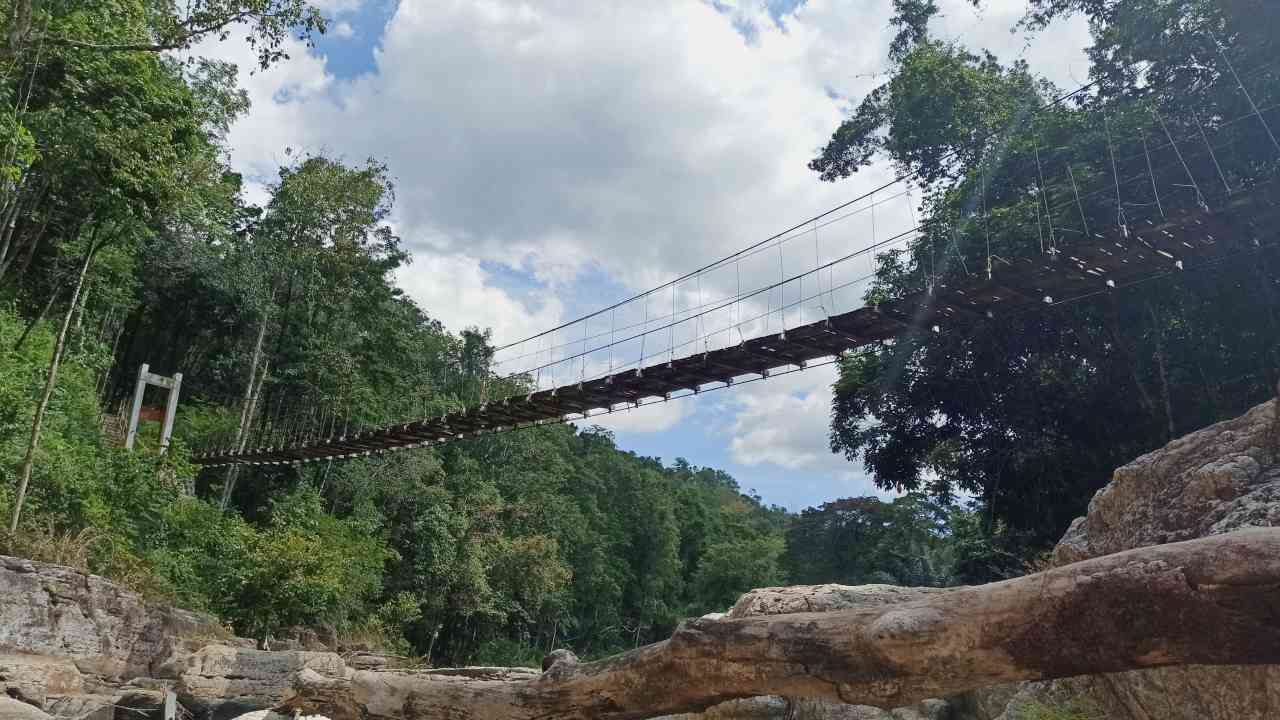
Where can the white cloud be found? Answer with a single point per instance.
(642, 137)
(783, 423)
(456, 290)
(783, 420)
(343, 30)
(651, 418)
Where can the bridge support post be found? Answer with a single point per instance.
(173, 385)
(136, 409)
(170, 410)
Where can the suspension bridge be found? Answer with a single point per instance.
(1182, 191)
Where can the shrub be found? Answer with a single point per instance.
(205, 554)
(308, 568)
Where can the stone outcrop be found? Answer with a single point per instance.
(823, 598)
(1223, 478)
(75, 645)
(102, 628)
(11, 709)
(1141, 608)
(222, 680)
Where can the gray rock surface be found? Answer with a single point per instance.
(822, 598)
(11, 709)
(106, 630)
(220, 680)
(818, 598)
(34, 678)
(75, 645)
(1222, 478)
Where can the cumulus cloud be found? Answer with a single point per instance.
(641, 138)
(343, 30)
(655, 417)
(782, 425)
(456, 290)
(783, 421)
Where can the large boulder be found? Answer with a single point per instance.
(11, 709)
(106, 630)
(1222, 478)
(76, 645)
(34, 679)
(220, 681)
(818, 598)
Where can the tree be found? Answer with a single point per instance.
(110, 173)
(167, 25)
(1031, 412)
(854, 541)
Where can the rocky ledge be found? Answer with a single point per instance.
(75, 645)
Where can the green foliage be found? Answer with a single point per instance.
(205, 555)
(17, 149)
(866, 540)
(309, 568)
(153, 26)
(935, 117)
(1031, 413)
(729, 567)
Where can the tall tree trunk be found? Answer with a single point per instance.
(34, 244)
(1210, 601)
(247, 406)
(285, 326)
(51, 378)
(10, 219)
(19, 26)
(8, 248)
(39, 318)
(79, 324)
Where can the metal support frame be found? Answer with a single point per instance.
(173, 385)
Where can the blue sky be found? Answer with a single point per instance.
(557, 156)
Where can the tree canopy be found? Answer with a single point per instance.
(1031, 413)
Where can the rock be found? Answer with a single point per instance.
(80, 646)
(985, 704)
(303, 638)
(133, 703)
(234, 680)
(270, 715)
(1222, 478)
(85, 707)
(759, 708)
(370, 661)
(34, 678)
(559, 657)
(106, 630)
(821, 598)
(817, 598)
(11, 709)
